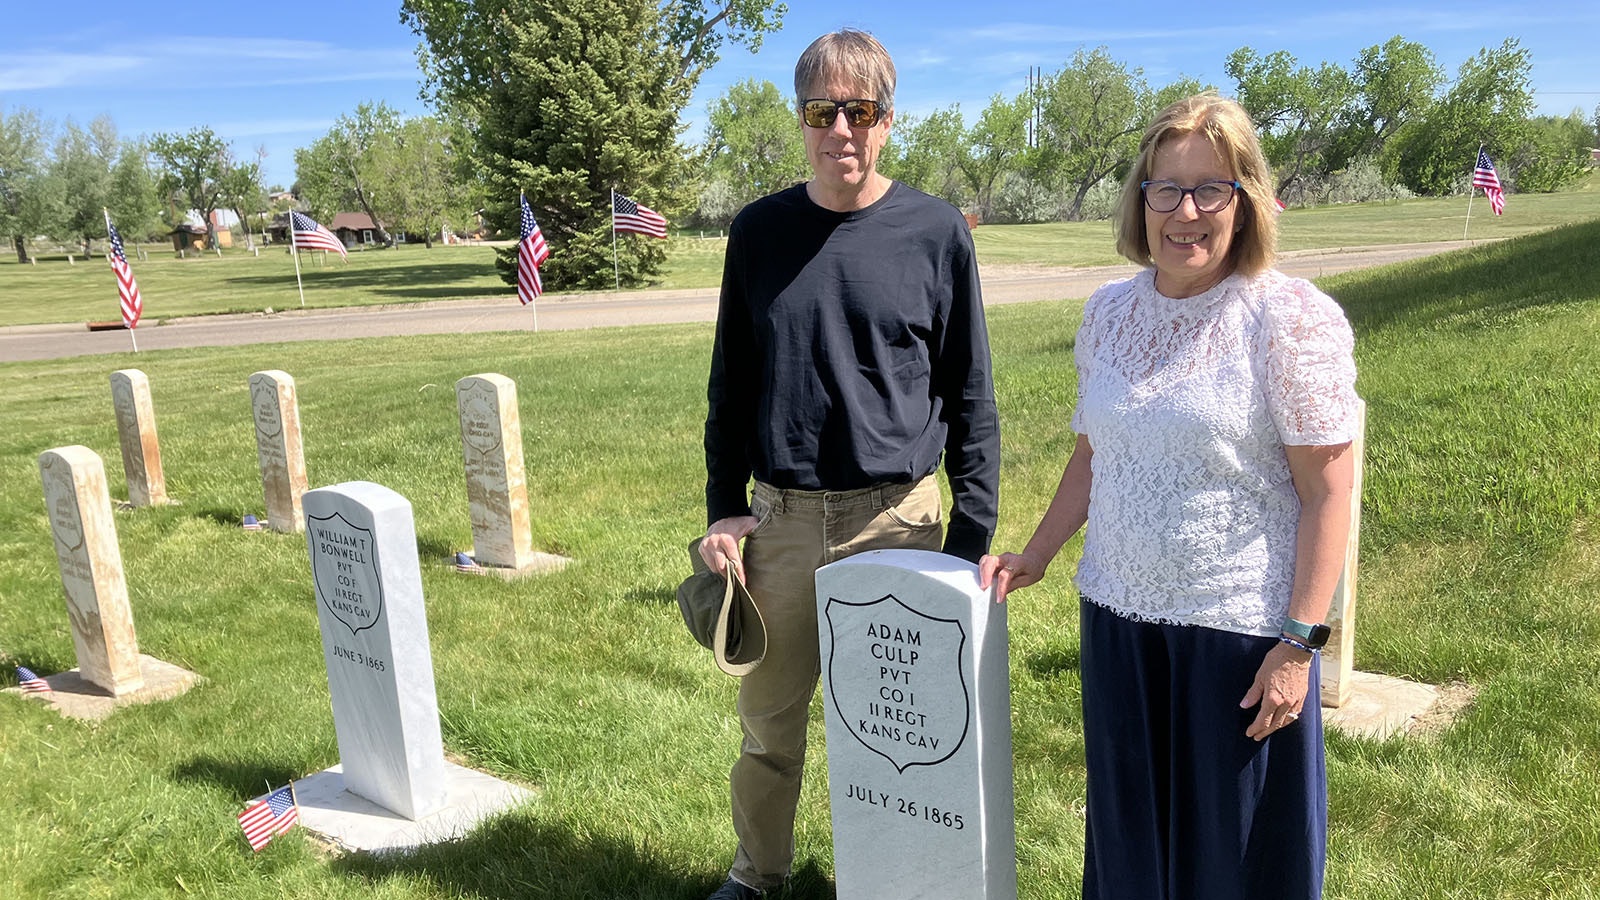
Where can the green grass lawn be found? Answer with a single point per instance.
(54, 291)
(1481, 564)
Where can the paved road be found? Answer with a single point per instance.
(1014, 284)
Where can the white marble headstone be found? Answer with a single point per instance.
(497, 489)
(363, 546)
(275, 406)
(78, 506)
(916, 688)
(136, 431)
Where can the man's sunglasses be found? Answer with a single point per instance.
(821, 113)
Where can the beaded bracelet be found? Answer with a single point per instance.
(1296, 644)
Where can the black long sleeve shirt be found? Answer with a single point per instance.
(851, 350)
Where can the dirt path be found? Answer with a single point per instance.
(1001, 284)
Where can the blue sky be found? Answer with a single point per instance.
(275, 77)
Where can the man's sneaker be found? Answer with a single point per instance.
(734, 890)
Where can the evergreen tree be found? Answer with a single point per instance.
(572, 99)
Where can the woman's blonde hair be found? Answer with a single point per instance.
(847, 54)
(1227, 126)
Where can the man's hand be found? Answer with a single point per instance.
(720, 546)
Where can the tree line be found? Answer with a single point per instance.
(1389, 125)
(569, 100)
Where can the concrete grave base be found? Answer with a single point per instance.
(354, 823)
(77, 698)
(537, 564)
(1380, 706)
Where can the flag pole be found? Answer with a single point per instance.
(1471, 190)
(133, 340)
(522, 199)
(616, 269)
(294, 251)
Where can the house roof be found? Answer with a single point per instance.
(352, 220)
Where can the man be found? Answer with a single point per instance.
(851, 353)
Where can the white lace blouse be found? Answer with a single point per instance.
(1188, 405)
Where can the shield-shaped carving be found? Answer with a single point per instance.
(264, 403)
(897, 679)
(61, 503)
(344, 567)
(480, 417)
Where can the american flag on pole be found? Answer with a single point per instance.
(308, 235)
(31, 683)
(531, 254)
(127, 288)
(268, 817)
(1484, 177)
(628, 215)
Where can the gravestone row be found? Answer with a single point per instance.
(914, 655)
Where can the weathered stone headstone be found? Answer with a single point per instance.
(363, 548)
(497, 489)
(917, 696)
(78, 504)
(393, 788)
(283, 465)
(1338, 657)
(136, 431)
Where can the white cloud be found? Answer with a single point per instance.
(38, 71)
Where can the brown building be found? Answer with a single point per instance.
(353, 228)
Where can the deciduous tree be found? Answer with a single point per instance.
(995, 145)
(1395, 83)
(23, 164)
(753, 141)
(418, 167)
(337, 173)
(1299, 111)
(1091, 115)
(134, 203)
(82, 167)
(1488, 105)
(929, 153)
(193, 168)
(243, 192)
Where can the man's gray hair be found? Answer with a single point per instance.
(846, 55)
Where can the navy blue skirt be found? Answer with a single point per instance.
(1183, 806)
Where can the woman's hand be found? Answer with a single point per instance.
(1009, 572)
(1281, 686)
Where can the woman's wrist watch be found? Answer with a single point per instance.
(1305, 635)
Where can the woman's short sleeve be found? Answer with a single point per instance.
(1310, 366)
(1083, 355)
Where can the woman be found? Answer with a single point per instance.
(1216, 409)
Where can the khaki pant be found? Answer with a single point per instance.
(799, 532)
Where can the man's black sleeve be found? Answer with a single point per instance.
(730, 419)
(965, 382)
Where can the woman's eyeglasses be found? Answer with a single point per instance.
(821, 113)
(1210, 197)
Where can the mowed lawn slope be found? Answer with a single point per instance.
(1481, 565)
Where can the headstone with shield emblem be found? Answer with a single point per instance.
(497, 489)
(276, 408)
(78, 506)
(363, 546)
(393, 788)
(136, 431)
(917, 704)
(111, 671)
